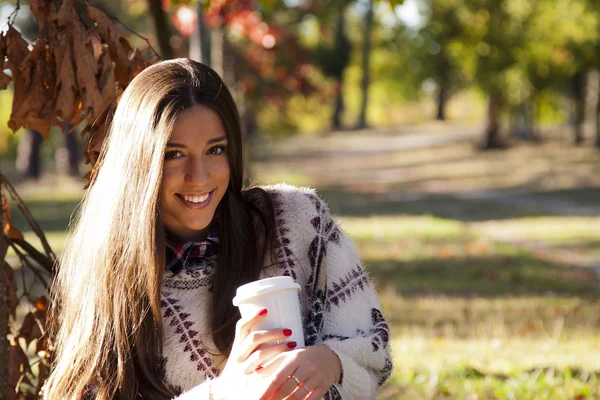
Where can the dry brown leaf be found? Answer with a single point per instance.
(110, 35)
(106, 81)
(12, 301)
(137, 62)
(86, 69)
(93, 37)
(5, 79)
(40, 10)
(5, 209)
(43, 373)
(30, 328)
(12, 232)
(17, 360)
(67, 13)
(41, 303)
(66, 85)
(16, 52)
(35, 81)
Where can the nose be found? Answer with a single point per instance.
(197, 171)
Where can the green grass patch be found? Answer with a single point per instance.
(472, 384)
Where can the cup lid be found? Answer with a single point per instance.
(263, 286)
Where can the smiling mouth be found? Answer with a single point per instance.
(195, 200)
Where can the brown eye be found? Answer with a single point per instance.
(172, 154)
(218, 150)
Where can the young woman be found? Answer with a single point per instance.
(164, 236)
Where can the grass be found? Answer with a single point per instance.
(482, 296)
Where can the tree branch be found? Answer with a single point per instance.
(25, 211)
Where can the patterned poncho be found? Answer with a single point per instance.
(339, 305)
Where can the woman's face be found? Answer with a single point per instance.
(195, 174)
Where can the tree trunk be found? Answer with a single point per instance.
(28, 154)
(161, 27)
(522, 124)
(491, 135)
(340, 35)
(68, 155)
(366, 70)
(3, 312)
(3, 321)
(441, 102)
(338, 108)
(598, 114)
(578, 115)
(200, 42)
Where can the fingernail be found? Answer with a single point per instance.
(259, 368)
(292, 345)
(262, 312)
(287, 332)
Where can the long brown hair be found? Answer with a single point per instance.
(106, 317)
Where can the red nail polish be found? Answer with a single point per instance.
(287, 332)
(262, 312)
(292, 345)
(259, 368)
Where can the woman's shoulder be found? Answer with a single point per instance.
(296, 201)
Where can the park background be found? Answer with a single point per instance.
(457, 141)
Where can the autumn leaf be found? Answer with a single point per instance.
(66, 85)
(75, 70)
(111, 36)
(17, 361)
(41, 303)
(9, 230)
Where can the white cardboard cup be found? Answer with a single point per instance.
(280, 297)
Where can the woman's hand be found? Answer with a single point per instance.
(316, 369)
(250, 351)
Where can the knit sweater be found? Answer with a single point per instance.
(338, 303)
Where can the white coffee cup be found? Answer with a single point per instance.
(280, 297)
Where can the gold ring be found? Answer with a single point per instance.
(296, 379)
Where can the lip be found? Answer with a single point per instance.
(195, 206)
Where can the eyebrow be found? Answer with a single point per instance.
(210, 141)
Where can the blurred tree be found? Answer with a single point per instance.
(161, 27)
(441, 54)
(333, 53)
(366, 67)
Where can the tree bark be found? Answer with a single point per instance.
(491, 135)
(578, 115)
(598, 114)
(366, 70)
(161, 28)
(200, 42)
(441, 102)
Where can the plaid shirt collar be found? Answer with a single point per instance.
(179, 253)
